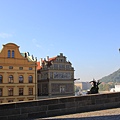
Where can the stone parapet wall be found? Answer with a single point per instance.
(58, 106)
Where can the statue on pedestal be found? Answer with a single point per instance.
(94, 89)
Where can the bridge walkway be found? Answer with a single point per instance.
(108, 114)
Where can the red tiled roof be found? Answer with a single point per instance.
(38, 63)
(38, 66)
(53, 58)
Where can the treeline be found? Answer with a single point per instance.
(106, 86)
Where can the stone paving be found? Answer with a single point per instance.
(108, 114)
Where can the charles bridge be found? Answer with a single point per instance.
(58, 106)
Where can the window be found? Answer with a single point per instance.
(8, 53)
(30, 91)
(61, 66)
(30, 99)
(10, 91)
(13, 54)
(61, 60)
(1, 67)
(10, 67)
(30, 79)
(56, 60)
(67, 67)
(21, 100)
(20, 91)
(1, 78)
(11, 79)
(0, 91)
(51, 75)
(20, 68)
(10, 100)
(55, 66)
(20, 79)
(62, 89)
(30, 68)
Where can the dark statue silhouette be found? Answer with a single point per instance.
(94, 89)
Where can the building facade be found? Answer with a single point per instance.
(82, 85)
(17, 75)
(55, 77)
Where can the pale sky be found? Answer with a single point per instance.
(87, 32)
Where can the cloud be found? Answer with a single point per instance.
(36, 43)
(46, 48)
(34, 40)
(39, 46)
(5, 35)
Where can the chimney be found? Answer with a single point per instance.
(47, 58)
(25, 54)
(28, 54)
(35, 58)
(41, 61)
(61, 54)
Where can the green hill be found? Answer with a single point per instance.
(114, 77)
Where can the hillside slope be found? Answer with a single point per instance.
(114, 77)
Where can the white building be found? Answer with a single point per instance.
(116, 89)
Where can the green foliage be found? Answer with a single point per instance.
(106, 86)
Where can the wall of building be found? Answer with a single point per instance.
(58, 106)
(59, 77)
(12, 63)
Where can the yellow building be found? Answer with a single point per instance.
(17, 75)
(55, 77)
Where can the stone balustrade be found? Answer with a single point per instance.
(58, 106)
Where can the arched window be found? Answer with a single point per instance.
(30, 79)
(13, 54)
(8, 53)
(21, 79)
(1, 78)
(10, 79)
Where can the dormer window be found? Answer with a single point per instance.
(13, 54)
(8, 53)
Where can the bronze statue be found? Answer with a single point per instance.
(94, 89)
